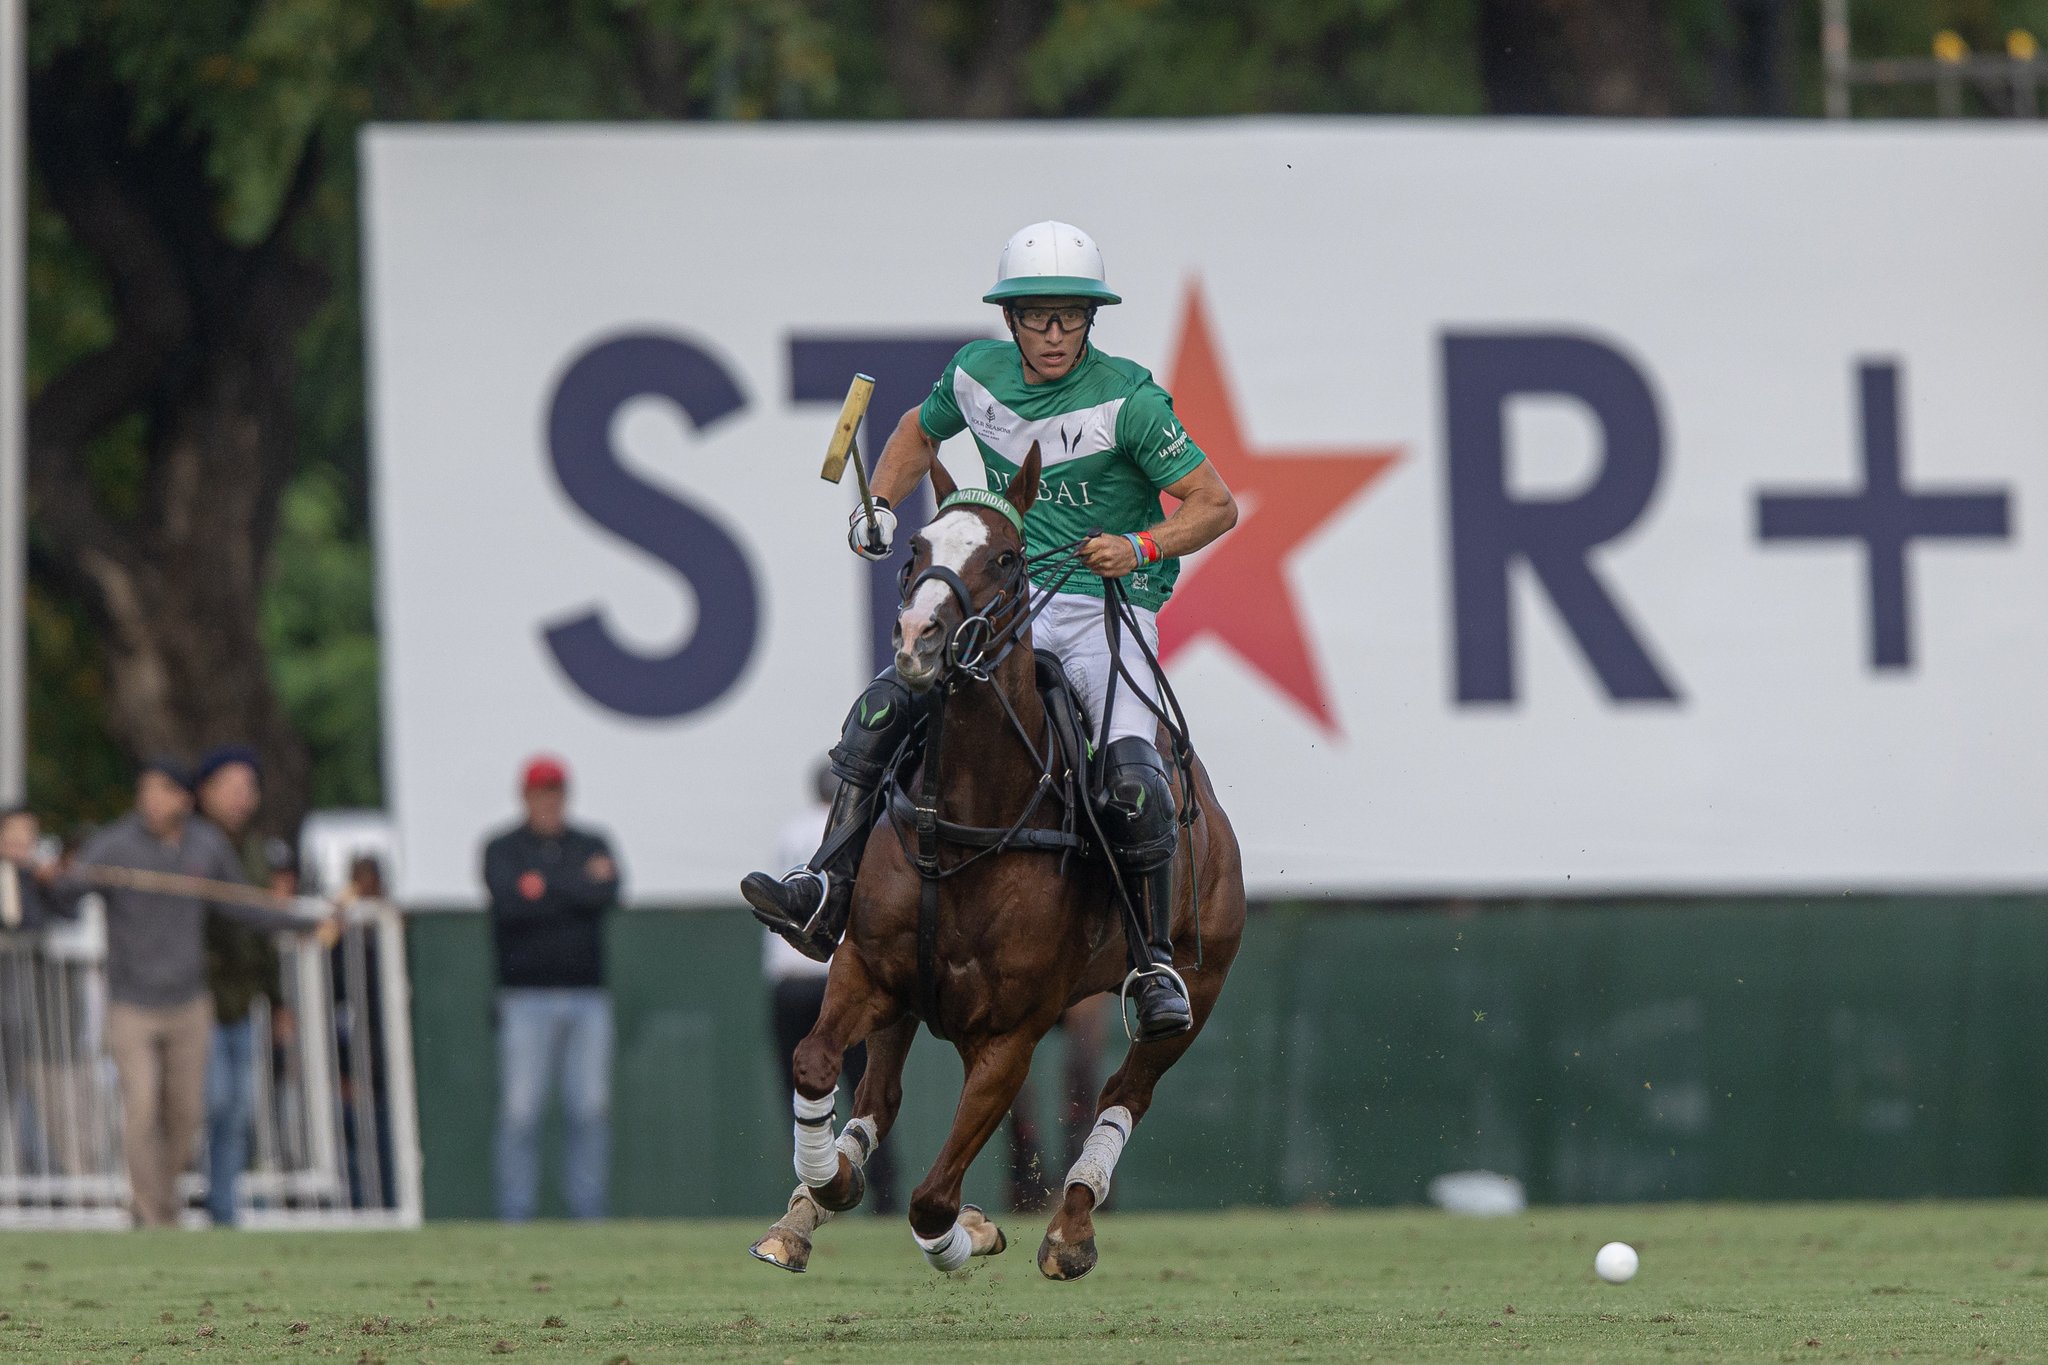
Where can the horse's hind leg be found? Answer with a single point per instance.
(1068, 1251)
(947, 1232)
(880, 1095)
(875, 1104)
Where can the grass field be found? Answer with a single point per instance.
(1815, 1282)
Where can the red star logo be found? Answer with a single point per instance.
(1237, 590)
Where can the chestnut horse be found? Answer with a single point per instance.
(1021, 932)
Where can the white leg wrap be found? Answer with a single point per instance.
(858, 1141)
(1099, 1153)
(948, 1251)
(817, 1160)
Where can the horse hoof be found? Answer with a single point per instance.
(845, 1192)
(1060, 1260)
(783, 1248)
(988, 1239)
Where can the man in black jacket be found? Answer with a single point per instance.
(550, 886)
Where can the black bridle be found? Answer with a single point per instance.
(974, 649)
(967, 644)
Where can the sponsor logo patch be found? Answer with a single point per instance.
(988, 424)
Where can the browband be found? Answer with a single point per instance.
(983, 497)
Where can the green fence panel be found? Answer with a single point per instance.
(1760, 1049)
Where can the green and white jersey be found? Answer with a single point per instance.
(1107, 442)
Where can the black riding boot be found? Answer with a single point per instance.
(1139, 820)
(808, 906)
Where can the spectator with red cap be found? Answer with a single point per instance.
(550, 885)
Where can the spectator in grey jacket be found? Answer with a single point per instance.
(160, 1015)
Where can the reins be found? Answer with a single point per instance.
(978, 627)
(975, 649)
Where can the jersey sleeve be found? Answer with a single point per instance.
(1150, 434)
(939, 414)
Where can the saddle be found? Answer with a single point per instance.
(1069, 727)
(1073, 784)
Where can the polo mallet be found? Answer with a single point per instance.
(836, 453)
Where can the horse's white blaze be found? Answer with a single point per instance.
(954, 538)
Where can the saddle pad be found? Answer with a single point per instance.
(1069, 727)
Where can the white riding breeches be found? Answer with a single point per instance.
(1071, 627)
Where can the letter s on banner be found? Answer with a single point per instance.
(701, 669)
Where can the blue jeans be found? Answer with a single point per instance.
(538, 1032)
(230, 1106)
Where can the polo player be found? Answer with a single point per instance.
(1110, 445)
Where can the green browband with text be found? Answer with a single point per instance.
(982, 497)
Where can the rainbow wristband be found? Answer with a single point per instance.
(1148, 548)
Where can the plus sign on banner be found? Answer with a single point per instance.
(1885, 516)
(1623, 509)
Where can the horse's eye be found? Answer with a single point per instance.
(1006, 559)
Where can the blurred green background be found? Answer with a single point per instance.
(200, 557)
(1607, 1052)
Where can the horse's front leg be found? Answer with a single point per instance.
(855, 1010)
(944, 1230)
(829, 1168)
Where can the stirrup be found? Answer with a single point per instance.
(824, 893)
(1137, 974)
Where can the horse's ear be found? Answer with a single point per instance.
(1024, 488)
(943, 486)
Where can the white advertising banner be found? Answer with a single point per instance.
(1624, 509)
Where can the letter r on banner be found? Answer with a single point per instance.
(1491, 528)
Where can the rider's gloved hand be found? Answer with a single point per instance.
(872, 542)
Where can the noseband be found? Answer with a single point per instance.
(968, 645)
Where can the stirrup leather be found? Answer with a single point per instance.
(1137, 974)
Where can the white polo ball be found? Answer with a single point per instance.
(1615, 1263)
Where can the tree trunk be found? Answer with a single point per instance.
(1603, 57)
(204, 355)
(1753, 67)
(935, 82)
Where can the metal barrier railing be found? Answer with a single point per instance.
(335, 1138)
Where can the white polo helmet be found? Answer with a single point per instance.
(1050, 260)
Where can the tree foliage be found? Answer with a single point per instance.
(195, 344)
(198, 528)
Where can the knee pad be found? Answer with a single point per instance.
(1137, 804)
(874, 730)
